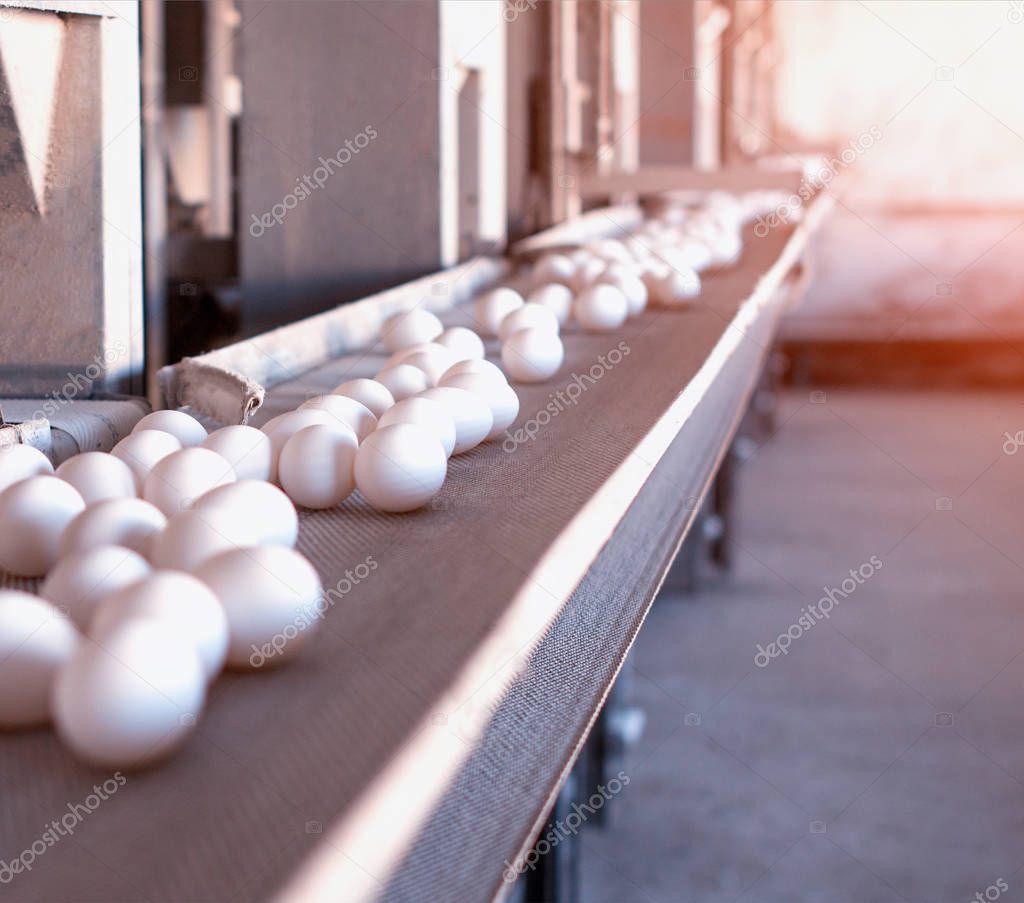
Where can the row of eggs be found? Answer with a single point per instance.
(160, 551)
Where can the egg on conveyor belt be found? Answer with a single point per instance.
(469, 412)
(272, 597)
(142, 450)
(197, 533)
(532, 355)
(34, 513)
(132, 699)
(187, 430)
(403, 381)
(19, 462)
(281, 428)
(179, 600)
(346, 410)
(176, 481)
(98, 476)
(529, 316)
(601, 308)
(493, 306)
(410, 328)
(245, 448)
(269, 513)
(426, 413)
(400, 467)
(80, 581)
(499, 395)
(315, 469)
(556, 297)
(368, 392)
(463, 343)
(130, 523)
(36, 640)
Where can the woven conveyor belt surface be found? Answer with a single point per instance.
(230, 818)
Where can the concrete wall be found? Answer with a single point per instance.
(315, 76)
(70, 208)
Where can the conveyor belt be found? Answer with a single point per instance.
(418, 740)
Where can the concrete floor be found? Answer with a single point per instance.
(882, 758)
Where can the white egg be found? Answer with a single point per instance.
(631, 285)
(479, 367)
(400, 467)
(369, 393)
(176, 481)
(529, 316)
(186, 429)
(500, 397)
(673, 287)
(347, 410)
(98, 476)
(493, 306)
(245, 448)
(532, 355)
(403, 381)
(267, 509)
(462, 342)
(84, 579)
(273, 600)
(589, 272)
(555, 297)
(426, 413)
(409, 328)
(33, 514)
(281, 428)
(19, 462)
(131, 701)
(197, 534)
(471, 414)
(316, 464)
(131, 523)
(695, 254)
(142, 450)
(36, 640)
(178, 599)
(553, 268)
(600, 308)
(433, 362)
